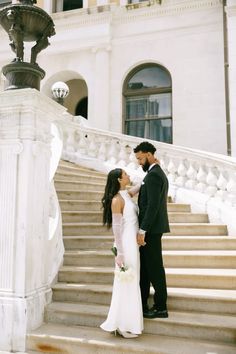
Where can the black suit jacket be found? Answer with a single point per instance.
(152, 202)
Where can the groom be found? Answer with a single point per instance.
(153, 222)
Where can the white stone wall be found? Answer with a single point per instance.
(30, 255)
(186, 37)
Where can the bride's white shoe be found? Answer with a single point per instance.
(126, 334)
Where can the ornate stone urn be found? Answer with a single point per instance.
(25, 22)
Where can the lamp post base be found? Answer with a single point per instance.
(22, 75)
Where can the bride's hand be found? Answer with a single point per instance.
(119, 260)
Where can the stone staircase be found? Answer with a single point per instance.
(200, 261)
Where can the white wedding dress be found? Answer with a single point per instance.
(125, 311)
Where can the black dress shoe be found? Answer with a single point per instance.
(155, 313)
(145, 310)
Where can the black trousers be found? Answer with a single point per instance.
(152, 271)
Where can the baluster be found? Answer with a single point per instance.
(92, 150)
(122, 156)
(221, 184)
(231, 188)
(181, 171)
(102, 152)
(192, 175)
(82, 145)
(133, 161)
(171, 171)
(112, 154)
(211, 180)
(201, 178)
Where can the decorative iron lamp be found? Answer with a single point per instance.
(25, 22)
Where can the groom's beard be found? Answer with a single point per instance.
(146, 166)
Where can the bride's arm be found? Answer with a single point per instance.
(117, 211)
(134, 190)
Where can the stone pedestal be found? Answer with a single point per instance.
(25, 131)
(23, 75)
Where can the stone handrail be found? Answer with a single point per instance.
(200, 173)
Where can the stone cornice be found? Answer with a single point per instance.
(168, 10)
(115, 14)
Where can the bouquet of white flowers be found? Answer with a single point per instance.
(123, 273)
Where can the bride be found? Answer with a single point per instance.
(119, 211)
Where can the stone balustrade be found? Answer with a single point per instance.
(195, 176)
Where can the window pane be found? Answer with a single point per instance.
(159, 129)
(150, 77)
(72, 4)
(153, 106)
(136, 107)
(159, 105)
(135, 128)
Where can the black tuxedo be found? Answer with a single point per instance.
(152, 202)
(153, 218)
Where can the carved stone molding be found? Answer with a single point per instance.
(231, 11)
(11, 147)
(122, 15)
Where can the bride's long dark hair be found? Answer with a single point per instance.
(111, 189)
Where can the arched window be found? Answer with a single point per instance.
(148, 103)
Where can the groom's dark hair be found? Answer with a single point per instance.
(145, 146)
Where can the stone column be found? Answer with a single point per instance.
(47, 5)
(100, 117)
(231, 21)
(25, 137)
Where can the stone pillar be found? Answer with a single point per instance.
(231, 21)
(101, 89)
(25, 137)
(47, 5)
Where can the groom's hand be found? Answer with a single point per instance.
(141, 239)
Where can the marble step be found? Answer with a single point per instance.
(79, 195)
(81, 177)
(176, 277)
(70, 193)
(201, 326)
(168, 242)
(172, 259)
(79, 186)
(73, 168)
(177, 229)
(58, 338)
(95, 205)
(96, 216)
(179, 299)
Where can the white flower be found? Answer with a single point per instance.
(124, 274)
